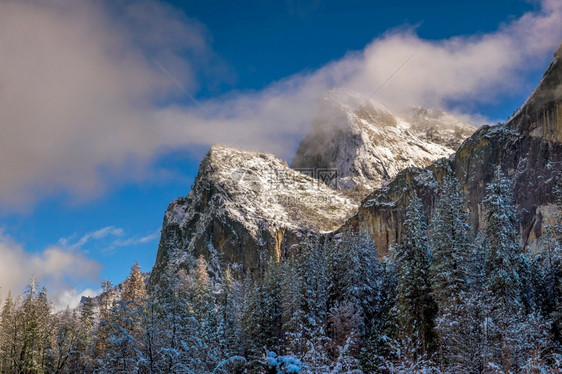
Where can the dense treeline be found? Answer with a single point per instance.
(441, 302)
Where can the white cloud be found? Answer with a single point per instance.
(137, 240)
(71, 297)
(77, 89)
(100, 234)
(55, 267)
(81, 102)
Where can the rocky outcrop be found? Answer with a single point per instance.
(368, 145)
(244, 209)
(247, 208)
(528, 148)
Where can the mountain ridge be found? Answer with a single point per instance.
(528, 149)
(234, 218)
(368, 145)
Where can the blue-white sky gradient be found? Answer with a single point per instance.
(106, 107)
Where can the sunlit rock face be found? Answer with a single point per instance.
(245, 209)
(368, 145)
(528, 148)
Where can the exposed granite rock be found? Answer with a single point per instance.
(368, 145)
(528, 148)
(244, 209)
(235, 217)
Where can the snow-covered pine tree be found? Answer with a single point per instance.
(549, 263)
(64, 353)
(501, 246)
(203, 303)
(125, 352)
(310, 322)
(506, 286)
(262, 319)
(106, 301)
(9, 336)
(292, 302)
(176, 343)
(451, 247)
(363, 290)
(415, 308)
(229, 302)
(35, 321)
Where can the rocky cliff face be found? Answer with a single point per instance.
(528, 148)
(368, 145)
(244, 209)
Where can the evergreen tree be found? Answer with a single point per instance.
(126, 353)
(83, 358)
(305, 306)
(106, 301)
(10, 338)
(415, 308)
(506, 283)
(229, 315)
(502, 269)
(35, 323)
(65, 344)
(548, 263)
(177, 344)
(262, 321)
(451, 249)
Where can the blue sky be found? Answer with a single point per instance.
(99, 137)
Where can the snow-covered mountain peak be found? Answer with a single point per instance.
(245, 207)
(368, 145)
(257, 189)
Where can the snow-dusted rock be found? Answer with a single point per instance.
(244, 209)
(368, 145)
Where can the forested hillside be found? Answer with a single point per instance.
(440, 302)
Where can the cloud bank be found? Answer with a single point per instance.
(84, 100)
(56, 267)
(63, 266)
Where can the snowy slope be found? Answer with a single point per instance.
(368, 145)
(257, 187)
(244, 209)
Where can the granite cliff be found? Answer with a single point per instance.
(248, 208)
(528, 148)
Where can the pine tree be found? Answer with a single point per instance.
(66, 340)
(262, 321)
(176, 343)
(204, 312)
(125, 352)
(362, 281)
(502, 268)
(305, 306)
(10, 337)
(451, 249)
(506, 282)
(106, 301)
(33, 319)
(86, 335)
(548, 262)
(415, 308)
(229, 301)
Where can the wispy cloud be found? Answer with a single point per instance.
(104, 232)
(106, 240)
(137, 240)
(83, 105)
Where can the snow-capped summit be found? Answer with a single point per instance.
(368, 145)
(245, 208)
